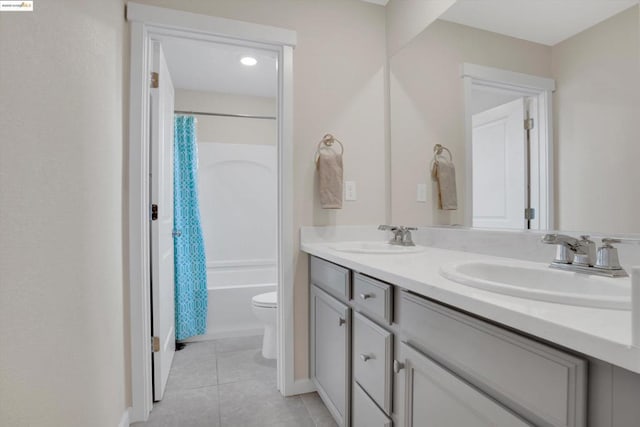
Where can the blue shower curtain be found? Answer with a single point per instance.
(189, 254)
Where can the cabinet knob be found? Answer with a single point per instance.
(342, 321)
(366, 296)
(397, 366)
(365, 357)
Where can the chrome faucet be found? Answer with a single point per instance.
(580, 255)
(401, 234)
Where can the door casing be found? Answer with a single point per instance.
(147, 22)
(541, 90)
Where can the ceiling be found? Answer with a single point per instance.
(379, 2)
(215, 67)
(546, 22)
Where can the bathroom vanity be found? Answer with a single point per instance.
(393, 343)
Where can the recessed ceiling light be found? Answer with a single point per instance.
(249, 61)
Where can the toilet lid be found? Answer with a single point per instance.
(269, 299)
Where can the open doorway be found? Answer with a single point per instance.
(244, 152)
(217, 170)
(509, 149)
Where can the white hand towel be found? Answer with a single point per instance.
(330, 179)
(444, 173)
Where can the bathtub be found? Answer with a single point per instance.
(230, 289)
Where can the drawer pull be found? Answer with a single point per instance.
(341, 321)
(397, 366)
(366, 296)
(365, 357)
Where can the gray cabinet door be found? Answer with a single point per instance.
(330, 326)
(428, 395)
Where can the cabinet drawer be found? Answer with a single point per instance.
(330, 277)
(372, 359)
(373, 297)
(365, 412)
(545, 385)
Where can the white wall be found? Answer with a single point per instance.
(408, 18)
(61, 215)
(597, 107)
(427, 107)
(339, 88)
(231, 130)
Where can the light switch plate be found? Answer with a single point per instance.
(421, 193)
(350, 191)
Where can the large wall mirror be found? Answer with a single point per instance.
(538, 104)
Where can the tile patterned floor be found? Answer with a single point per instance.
(227, 383)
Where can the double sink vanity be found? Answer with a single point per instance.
(427, 336)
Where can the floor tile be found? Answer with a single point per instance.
(225, 345)
(194, 366)
(245, 397)
(244, 365)
(317, 410)
(255, 403)
(186, 408)
(198, 350)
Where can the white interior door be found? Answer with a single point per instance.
(162, 263)
(499, 166)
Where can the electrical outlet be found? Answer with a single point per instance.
(421, 193)
(350, 192)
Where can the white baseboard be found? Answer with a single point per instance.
(226, 334)
(301, 387)
(124, 420)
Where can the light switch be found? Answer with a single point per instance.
(421, 193)
(350, 192)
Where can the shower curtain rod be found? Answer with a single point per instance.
(242, 116)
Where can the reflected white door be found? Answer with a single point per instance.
(162, 263)
(499, 166)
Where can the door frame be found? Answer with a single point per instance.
(147, 22)
(539, 88)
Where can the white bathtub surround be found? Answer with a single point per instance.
(238, 202)
(600, 333)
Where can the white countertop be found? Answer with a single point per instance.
(600, 333)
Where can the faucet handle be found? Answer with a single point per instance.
(607, 258)
(607, 241)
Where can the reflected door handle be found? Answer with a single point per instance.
(397, 366)
(176, 233)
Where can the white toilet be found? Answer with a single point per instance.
(264, 307)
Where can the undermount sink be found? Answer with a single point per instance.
(542, 283)
(375, 248)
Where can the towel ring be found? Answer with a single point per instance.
(439, 148)
(328, 140)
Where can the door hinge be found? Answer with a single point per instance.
(155, 344)
(528, 124)
(154, 212)
(155, 80)
(529, 213)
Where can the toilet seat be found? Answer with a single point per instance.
(266, 300)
